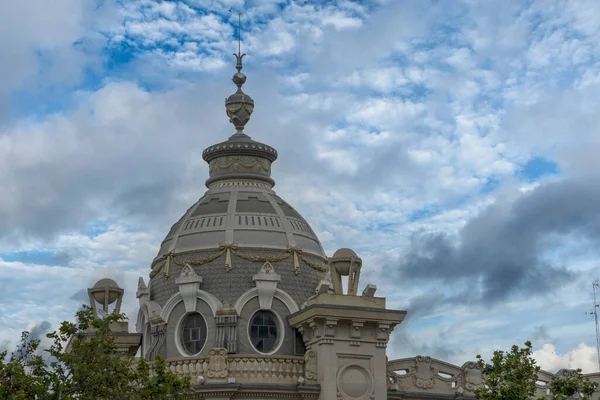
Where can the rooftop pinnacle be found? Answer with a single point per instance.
(239, 105)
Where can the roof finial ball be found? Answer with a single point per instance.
(345, 262)
(106, 292)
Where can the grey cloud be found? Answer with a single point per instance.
(541, 335)
(410, 345)
(134, 156)
(81, 296)
(423, 305)
(499, 253)
(39, 330)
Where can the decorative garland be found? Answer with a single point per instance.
(232, 248)
(236, 161)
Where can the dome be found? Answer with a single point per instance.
(249, 215)
(238, 262)
(240, 218)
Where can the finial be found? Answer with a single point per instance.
(239, 79)
(239, 106)
(238, 65)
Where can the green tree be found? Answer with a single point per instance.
(571, 383)
(90, 368)
(509, 375)
(513, 376)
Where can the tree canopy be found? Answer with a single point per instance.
(513, 375)
(91, 367)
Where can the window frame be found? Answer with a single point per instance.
(181, 347)
(280, 331)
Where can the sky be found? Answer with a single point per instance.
(452, 144)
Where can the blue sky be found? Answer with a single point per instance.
(451, 144)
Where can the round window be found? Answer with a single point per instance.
(264, 331)
(193, 333)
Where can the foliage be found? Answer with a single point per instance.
(510, 375)
(513, 376)
(570, 384)
(83, 362)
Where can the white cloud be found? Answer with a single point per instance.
(583, 356)
(378, 114)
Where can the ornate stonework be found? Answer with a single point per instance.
(217, 364)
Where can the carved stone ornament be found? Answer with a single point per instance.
(473, 376)
(189, 283)
(154, 311)
(345, 262)
(423, 373)
(217, 363)
(266, 283)
(310, 366)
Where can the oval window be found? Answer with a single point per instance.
(263, 331)
(193, 333)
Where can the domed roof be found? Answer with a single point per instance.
(240, 222)
(240, 206)
(213, 260)
(248, 214)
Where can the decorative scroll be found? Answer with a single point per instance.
(310, 366)
(217, 363)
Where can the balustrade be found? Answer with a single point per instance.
(244, 368)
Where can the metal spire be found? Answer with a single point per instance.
(239, 32)
(239, 106)
(596, 285)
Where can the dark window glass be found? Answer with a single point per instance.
(193, 333)
(263, 331)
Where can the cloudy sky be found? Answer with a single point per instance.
(453, 144)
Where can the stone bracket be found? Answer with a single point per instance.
(189, 283)
(330, 327)
(266, 283)
(355, 329)
(383, 332)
